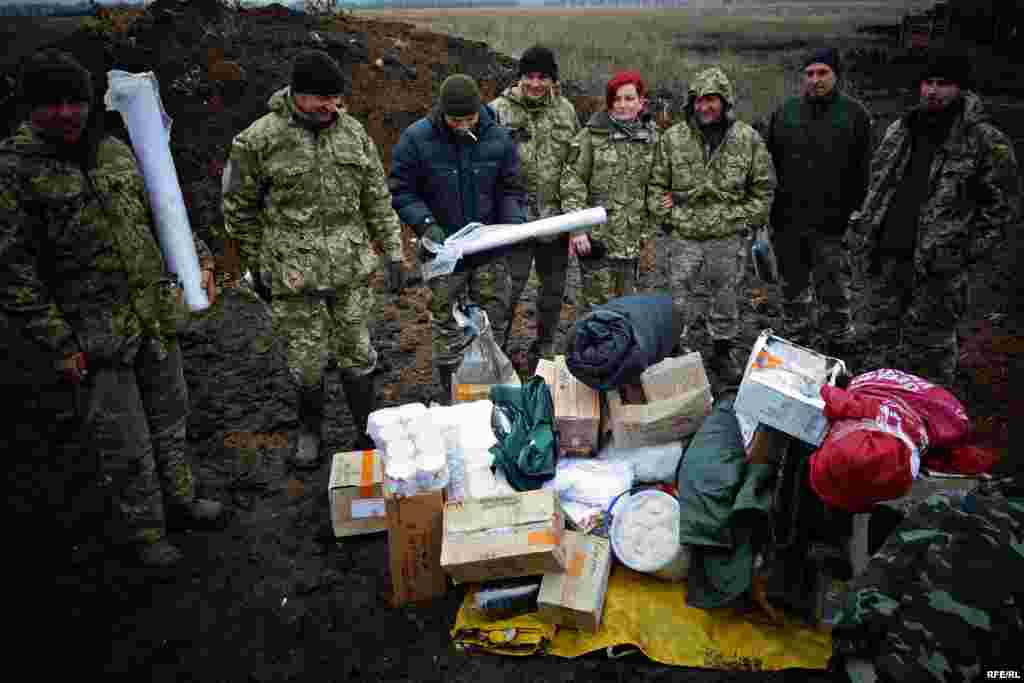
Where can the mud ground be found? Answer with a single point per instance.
(272, 596)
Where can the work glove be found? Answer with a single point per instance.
(434, 233)
(73, 368)
(395, 275)
(679, 198)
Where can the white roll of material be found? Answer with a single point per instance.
(137, 98)
(645, 535)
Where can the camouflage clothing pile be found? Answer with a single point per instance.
(922, 610)
(609, 165)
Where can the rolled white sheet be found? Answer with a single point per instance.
(137, 98)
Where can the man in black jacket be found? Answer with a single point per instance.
(820, 142)
(453, 167)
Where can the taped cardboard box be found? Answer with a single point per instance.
(415, 525)
(503, 537)
(577, 408)
(356, 492)
(575, 597)
(678, 398)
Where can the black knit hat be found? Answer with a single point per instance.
(823, 55)
(52, 76)
(953, 66)
(315, 72)
(539, 59)
(460, 96)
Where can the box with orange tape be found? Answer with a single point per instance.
(575, 597)
(503, 537)
(356, 492)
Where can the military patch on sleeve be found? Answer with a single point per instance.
(231, 178)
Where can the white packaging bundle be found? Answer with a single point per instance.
(589, 481)
(414, 449)
(650, 463)
(645, 534)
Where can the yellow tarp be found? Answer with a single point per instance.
(652, 615)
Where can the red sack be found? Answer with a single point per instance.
(872, 451)
(943, 415)
(968, 459)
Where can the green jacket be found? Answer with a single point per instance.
(609, 167)
(543, 133)
(80, 265)
(726, 189)
(304, 207)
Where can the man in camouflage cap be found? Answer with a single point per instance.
(304, 194)
(944, 189)
(83, 280)
(543, 124)
(712, 184)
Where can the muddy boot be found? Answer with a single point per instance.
(200, 512)
(361, 394)
(311, 416)
(160, 555)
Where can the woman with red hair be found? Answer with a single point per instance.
(608, 165)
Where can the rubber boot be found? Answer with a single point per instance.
(160, 555)
(200, 512)
(445, 373)
(311, 416)
(361, 394)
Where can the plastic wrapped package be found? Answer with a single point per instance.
(645, 535)
(483, 364)
(650, 463)
(507, 598)
(590, 481)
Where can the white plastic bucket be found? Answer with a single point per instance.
(645, 535)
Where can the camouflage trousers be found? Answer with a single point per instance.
(604, 279)
(816, 272)
(134, 420)
(908, 320)
(551, 260)
(937, 601)
(704, 278)
(326, 330)
(481, 285)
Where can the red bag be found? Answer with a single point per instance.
(967, 459)
(871, 453)
(943, 415)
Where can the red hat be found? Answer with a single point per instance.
(620, 79)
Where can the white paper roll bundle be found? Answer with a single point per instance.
(645, 535)
(137, 98)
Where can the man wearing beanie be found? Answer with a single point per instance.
(453, 167)
(944, 189)
(84, 286)
(543, 124)
(820, 142)
(304, 195)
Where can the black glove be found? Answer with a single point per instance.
(434, 233)
(678, 198)
(395, 276)
(667, 227)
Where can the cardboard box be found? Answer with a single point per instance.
(356, 492)
(768, 397)
(414, 545)
(503, 537)
(678, 399)
(577, 408)
(575, 597)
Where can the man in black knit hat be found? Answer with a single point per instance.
(820, 142)
(304, 195)
(453, 167)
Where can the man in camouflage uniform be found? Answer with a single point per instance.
(712, 184)
(941, 600)
(820, 143)
(454, 167)
(609, 165)
(304, 194)
(83, 279)
(944, 187)
(543, 124)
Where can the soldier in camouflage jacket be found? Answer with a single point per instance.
(944, 188)
(609, 165)
(304, 195)
(712, 184)
(83, 279)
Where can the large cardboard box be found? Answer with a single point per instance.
(414, 545)
(575, 597)
(577, 408)
(356, 493)
(678, 399)
(503, 537)
(781, 387)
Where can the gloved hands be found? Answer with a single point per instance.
(73, 368)
(434, 233)
(395, 276)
